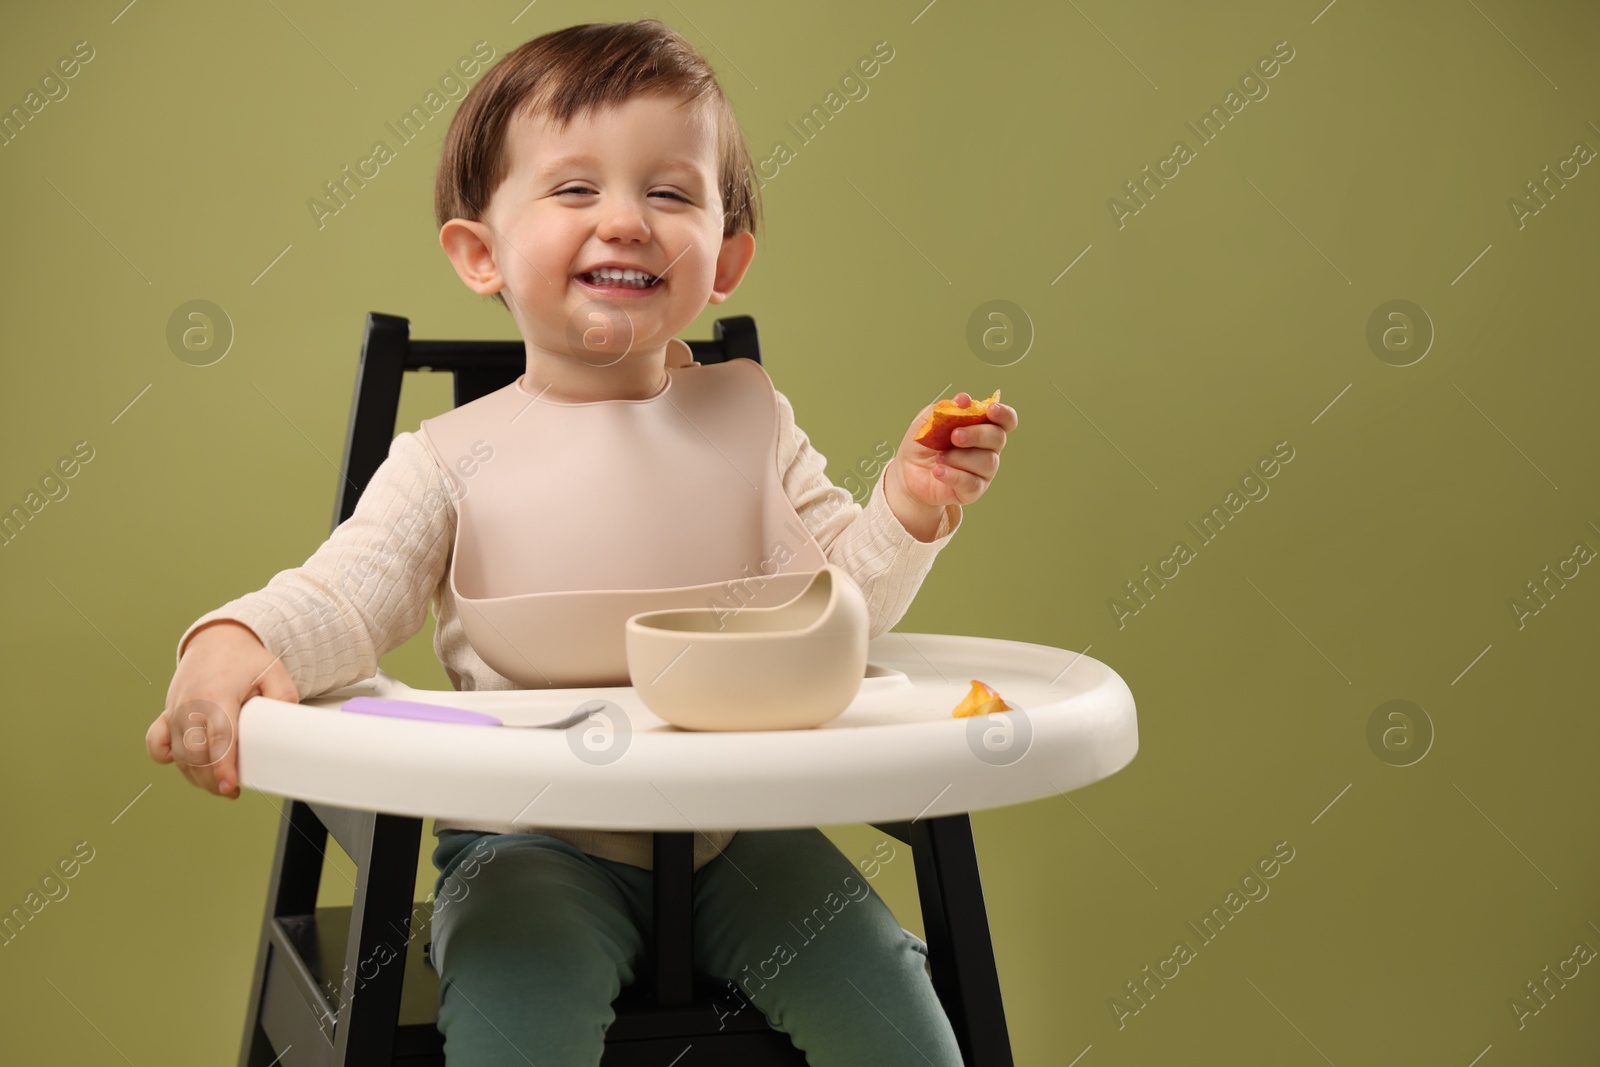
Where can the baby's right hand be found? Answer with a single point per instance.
(223, 666)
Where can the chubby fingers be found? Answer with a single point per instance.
(986, 435)
(158, 740)
(203, 736)
(1002, 416)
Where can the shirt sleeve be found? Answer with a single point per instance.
(886, 561)
(366, 590)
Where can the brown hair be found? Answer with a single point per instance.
(580, 70)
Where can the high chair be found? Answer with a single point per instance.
(324, 990)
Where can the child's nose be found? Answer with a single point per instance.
(621, 218)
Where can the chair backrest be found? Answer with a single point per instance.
(479, 367)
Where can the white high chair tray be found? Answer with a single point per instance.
(896, 753)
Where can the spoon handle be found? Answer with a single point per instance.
(416, 709)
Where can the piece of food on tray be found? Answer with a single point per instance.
(981, 700)
(947, 416)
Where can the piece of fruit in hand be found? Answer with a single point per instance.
(981, 700)
(946, 416)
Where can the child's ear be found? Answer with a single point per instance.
(467, 245)
(732, 262)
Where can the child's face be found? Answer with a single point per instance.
(636, 184)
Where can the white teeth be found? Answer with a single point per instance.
(629, 278)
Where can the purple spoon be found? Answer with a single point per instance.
(414, 709)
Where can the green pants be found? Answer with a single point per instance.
(533, 939)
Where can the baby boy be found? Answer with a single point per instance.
(596, 183)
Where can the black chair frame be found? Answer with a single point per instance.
(379, 1008)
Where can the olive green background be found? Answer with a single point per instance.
(1228, 315)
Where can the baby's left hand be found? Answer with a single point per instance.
(963, 473)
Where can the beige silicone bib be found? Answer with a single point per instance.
(570, 518)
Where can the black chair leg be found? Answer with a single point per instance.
(672, 903)
(375, 956)
(957, 927)
(367, 991)
(291, 890)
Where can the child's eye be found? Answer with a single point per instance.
(582, 189)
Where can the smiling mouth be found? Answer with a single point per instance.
(611, 279)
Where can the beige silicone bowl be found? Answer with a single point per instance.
(787, 667)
